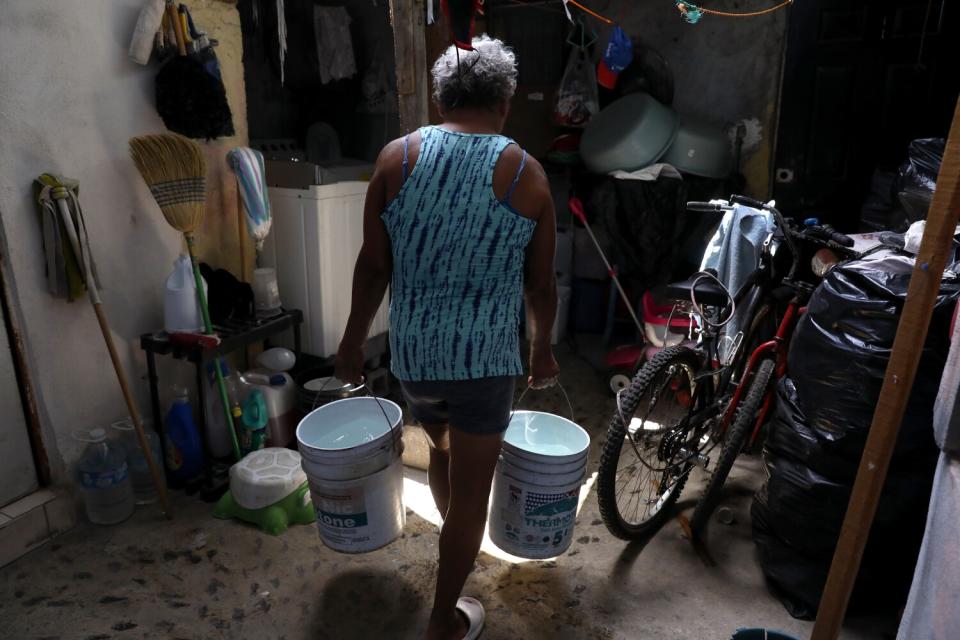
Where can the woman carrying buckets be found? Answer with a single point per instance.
(460, 223)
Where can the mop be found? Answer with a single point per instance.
(174, 169)
(70, 269)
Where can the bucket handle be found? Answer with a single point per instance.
(370, 394)
(562, 390)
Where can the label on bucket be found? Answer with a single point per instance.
(341, 512)
(535, 523)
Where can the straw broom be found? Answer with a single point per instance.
(176, 172)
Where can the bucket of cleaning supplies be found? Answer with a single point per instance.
(350, 452)
(536, 488)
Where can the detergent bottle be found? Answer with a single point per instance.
(253, 435)
(184, 448)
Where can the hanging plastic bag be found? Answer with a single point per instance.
(577, 99)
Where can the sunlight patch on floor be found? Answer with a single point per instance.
(417, 497)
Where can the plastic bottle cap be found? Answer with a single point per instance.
(98, 435)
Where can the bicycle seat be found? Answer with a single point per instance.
(709, 293)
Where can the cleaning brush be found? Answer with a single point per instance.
(176, 172)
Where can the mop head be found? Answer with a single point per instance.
(191, 101)
(248, 166)
(175, 170)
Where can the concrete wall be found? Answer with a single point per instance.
(69, 101)
(725, 69)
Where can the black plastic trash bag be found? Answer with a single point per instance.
(839, 354)
(917, 177)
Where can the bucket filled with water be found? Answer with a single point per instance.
(536, 488)
(351, 452)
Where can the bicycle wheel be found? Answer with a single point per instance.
(642, 471)
(733, 441)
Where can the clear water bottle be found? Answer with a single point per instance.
(144, 491)
(104, 479)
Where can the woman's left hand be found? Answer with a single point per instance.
(543, 368)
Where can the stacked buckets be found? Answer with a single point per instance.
(351, 452)
(537, 485)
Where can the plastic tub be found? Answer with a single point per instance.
(545, 437)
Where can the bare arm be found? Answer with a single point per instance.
(371, 277)
(540, 284)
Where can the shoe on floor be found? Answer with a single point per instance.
(473, 611)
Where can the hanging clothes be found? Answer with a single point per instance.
(331, 27)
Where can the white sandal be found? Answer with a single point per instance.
(473, 611)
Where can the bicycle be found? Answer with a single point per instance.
(685, 402)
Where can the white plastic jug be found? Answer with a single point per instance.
(280, 393)
(181, 307)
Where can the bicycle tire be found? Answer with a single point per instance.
(736, 437)
(647, 375)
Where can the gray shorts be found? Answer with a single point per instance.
(478, 407)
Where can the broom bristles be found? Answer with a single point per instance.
(175, 170)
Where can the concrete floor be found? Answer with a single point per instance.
(197, 577)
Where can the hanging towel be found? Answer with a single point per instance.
(334, 44)
(65, 277)
(247, 164)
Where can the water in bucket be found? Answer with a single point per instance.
(537, 485)
(351, 452)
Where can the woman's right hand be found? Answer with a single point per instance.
(349, 363)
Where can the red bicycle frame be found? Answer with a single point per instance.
(777, 346)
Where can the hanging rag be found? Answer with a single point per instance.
(331, 27)
(145, 31)
(248, 166)
(65, 275)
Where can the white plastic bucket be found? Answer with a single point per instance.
(513, 460)
(536, 488)
(350, 426)
(531, 516)
(352, 468)
(545, 437)
(355, 516)
(351, 454)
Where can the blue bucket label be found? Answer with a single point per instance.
(104, 479)
(340, 511)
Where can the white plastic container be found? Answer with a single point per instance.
(104, 479)
(266, 292)
(351, 452)
(181, 306)
(363, 514)
(537, 484)
(280, 393)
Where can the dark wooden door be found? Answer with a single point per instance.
(861, 79)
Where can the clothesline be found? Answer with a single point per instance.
(690, 11)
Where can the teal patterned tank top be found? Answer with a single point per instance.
(458, 261)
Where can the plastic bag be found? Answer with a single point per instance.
(577, 99)
(917, 177)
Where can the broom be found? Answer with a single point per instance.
(174, 169)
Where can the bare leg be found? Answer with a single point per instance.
(439, 470)
(473, 459)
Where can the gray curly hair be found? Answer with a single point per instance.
(487, 76)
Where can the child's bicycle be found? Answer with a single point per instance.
(685, 404)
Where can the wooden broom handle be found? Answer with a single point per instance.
(174, 16)
(155, 472)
